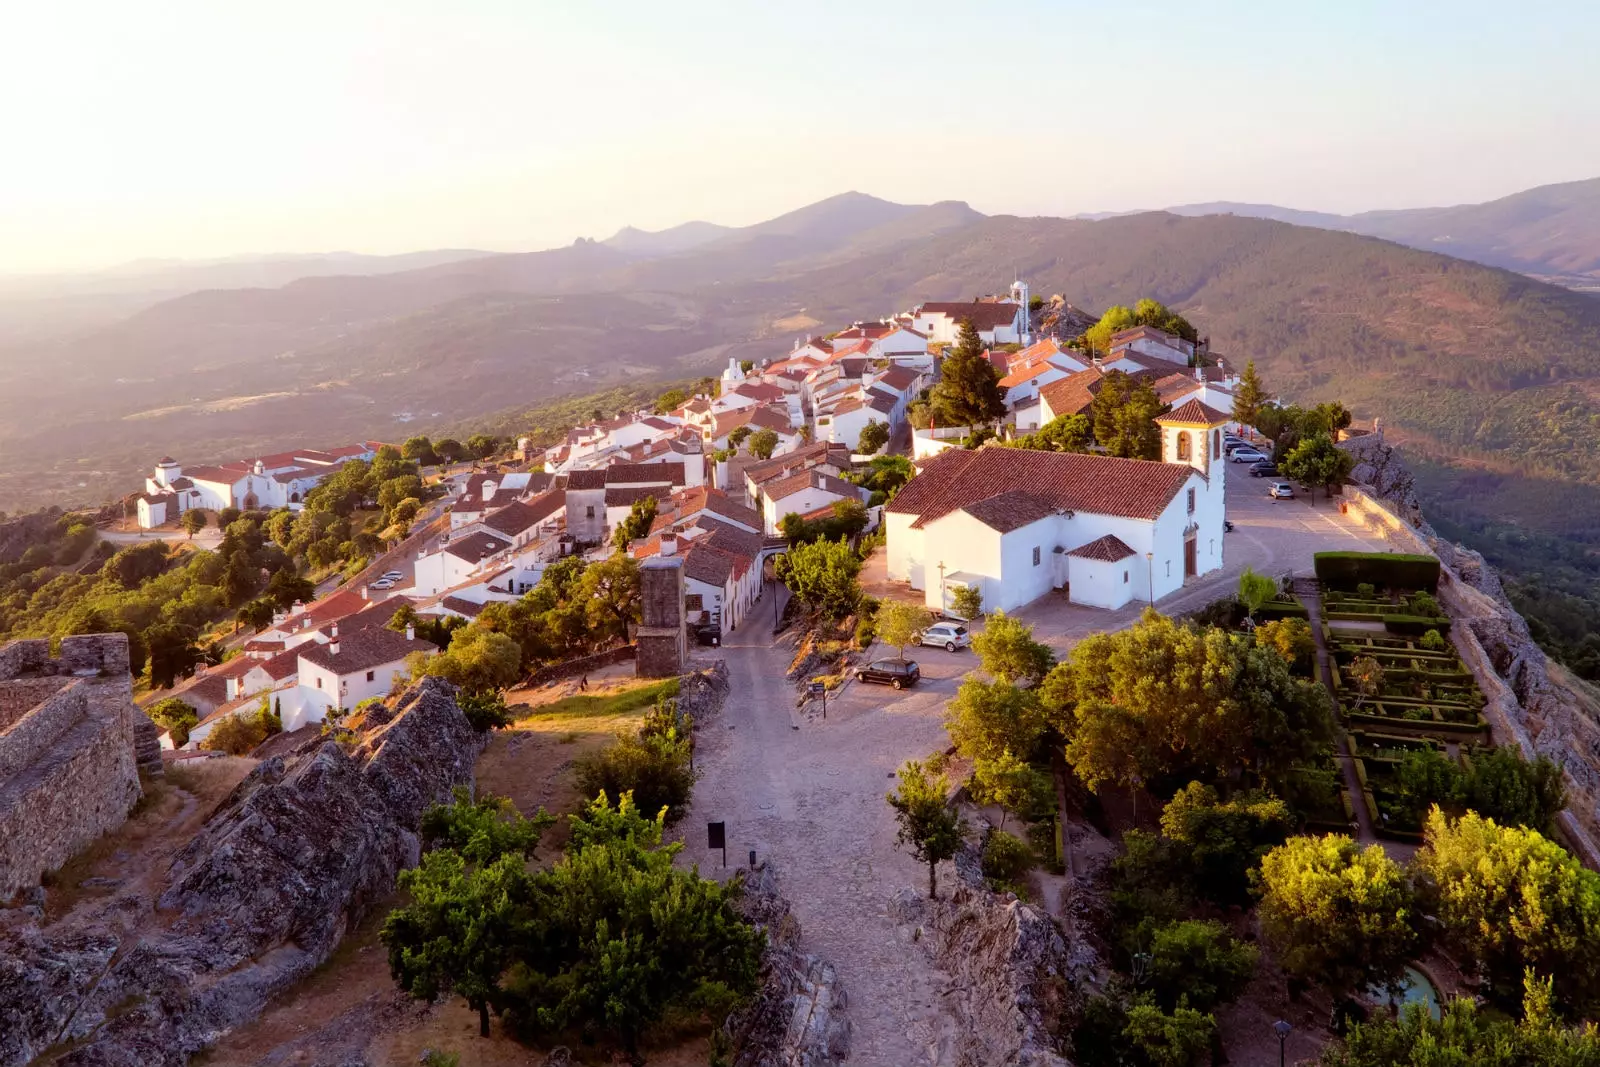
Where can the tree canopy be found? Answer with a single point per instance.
(968, 392)
(1124, 413)
(822, 574)
(928, 828)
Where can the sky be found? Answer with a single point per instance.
(172, 128)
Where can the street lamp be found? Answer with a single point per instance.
(1282, 1027)
(1150, 572)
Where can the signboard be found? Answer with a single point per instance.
(716, 835)
(819, 689)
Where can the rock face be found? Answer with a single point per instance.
(702, 693)
(1016, 984)
(798, 1018)
(290, 861)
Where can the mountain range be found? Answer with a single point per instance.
(1552, 232)
(1491, 375)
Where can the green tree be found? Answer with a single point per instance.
(1225, 840)
(609, 591)
(1513, 899)
(419, 449)
(968, 392)
(655, 768)
(671, 400)
(1424, 778)
(478, 660)
(1254, 591)
(240, 578)
(874, 435)
(899, 622)
(1337, 913)
(1064, 433)
(1248, 396)
(738, 435)
(928, 828)
(967, 602)
(1009, 782)
(1007, 650)
(286, 588)
(1513, 791)
(823, 575)
(1316, 461)
(483, 830)
(1195, 962)
(193, 521)
(1181, 1038)
(1116, 318)
(1006, 861)
(1124, 413)
(227, 517)
(763, 443)
(1290, 638)
(485, 709)
(172, 652)
(449, 450)
(641, 514)
(176, 716)
(985, 719)
(257, 615)
(1366, 677)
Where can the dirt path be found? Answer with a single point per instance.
(812, 801)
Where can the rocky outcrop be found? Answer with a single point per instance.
(701, 693)
(1525, 706)
(798, 1017)
(298, 854)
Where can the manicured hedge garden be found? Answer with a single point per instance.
(1345, 571)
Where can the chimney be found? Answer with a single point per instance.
(297, 607)
(333, 645)
(333, 631)
(230, 689)
(411, 631)
(365, 593)
(669, 544)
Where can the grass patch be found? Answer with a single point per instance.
(584, 705)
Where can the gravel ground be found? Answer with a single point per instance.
(812, 801)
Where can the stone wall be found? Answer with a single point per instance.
(298, 854)
(69, 763)
(1524, 706)
(581, 665)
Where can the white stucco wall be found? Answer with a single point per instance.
(1102, 585)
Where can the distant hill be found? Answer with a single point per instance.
(665, 242)
(1552, 232)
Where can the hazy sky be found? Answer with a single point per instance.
(176, 128)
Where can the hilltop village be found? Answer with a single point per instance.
(1184, 714)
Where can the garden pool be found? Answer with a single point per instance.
(1415, 988)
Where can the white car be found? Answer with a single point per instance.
(1247, 455)
(395, 575)
(950, 635)
(1280, 491)
(382, 583)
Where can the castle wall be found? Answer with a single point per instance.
(69, 747)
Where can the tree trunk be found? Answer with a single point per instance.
(933, 880)
(483, 1018)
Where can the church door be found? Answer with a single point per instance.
(1190, 566)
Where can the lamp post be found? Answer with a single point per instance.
(1150, 572)
(1282, 1027)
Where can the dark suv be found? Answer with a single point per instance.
(708, 634)
(899, 673)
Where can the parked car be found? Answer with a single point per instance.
(952, 635)
(1281, 491)
(899, 673)
(1247, 455)
(395, 575)
(1265, 469)
(383, 583)
(708, 634)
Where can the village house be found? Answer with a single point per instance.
(1016, 524)
(1153, 344)
(281, 480)
(805, 493)
(998, 321)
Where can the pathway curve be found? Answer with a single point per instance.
(812, 801)
(1325, 668)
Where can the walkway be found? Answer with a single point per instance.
(1342, 751)
(812, 800)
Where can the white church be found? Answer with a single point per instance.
(1018, 523)
(275, 481)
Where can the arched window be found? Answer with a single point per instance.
(1216, 444)
(1184, 445)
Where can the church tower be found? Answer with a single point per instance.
(1192, 435)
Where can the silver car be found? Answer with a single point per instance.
(949, 635)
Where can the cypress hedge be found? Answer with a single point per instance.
(1391, 570)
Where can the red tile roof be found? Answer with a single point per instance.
(363, 650)
(669, 473)
(1102, 485)
(1010, 510)
(1194, 413)
(985, 314)
(1107, 549)
(783, 488)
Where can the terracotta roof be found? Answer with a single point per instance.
(1102, 485)
(589, 479)
(1107, 549)
(881, 401)
(461, 606)
(1174, 386)
(264, 644)
(811, 454)
(215, 475)
(1026, 372)
(284, 665)
(618, 496)
(715, 502)
(1138, 333)
(810, 479)
(985, 314)
(869, 330)
(731, 538)
(1194, 413)
(363, 650)
(899, 378)
(334, 606)
(760, 392)
(1010, 510)
(520, 515)
(476, 546)
(1074, 394)
(706, 564)
(645, 473)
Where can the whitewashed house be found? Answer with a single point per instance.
(1016, 523)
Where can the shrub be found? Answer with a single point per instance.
(1423, 603)
(1365, 590)
(174, 715)
(1414, 625)
(1007, 859)
(238, 735)
(1197, 961)
(1434, 641)
(1393, 570)
(486, 710)
(967, 601)
(654, 768)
